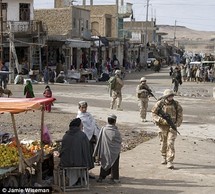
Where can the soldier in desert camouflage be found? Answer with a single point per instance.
(142, 92)
(117, 91)
(166, 134)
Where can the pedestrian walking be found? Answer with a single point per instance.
(3, 76)
(143, 95)
(28, 89)
(46, 75)
(115, 62)
(116, 90)
(176, 79)
(198, 75)
(48, 94)
(108, 150)
(51, 76)
(183, 73)
(188, 72)
(163, 108)
(170, 70)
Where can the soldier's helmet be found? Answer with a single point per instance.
(118, 72)
(168, 93)
(142, 79)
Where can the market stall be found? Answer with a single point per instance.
(15, 106)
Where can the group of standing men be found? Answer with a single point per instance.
(85, 142)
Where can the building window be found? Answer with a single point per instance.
(24, 12)
(95, 29)
(87, 24)
(108, 31)
(74, 23)
(4, 5)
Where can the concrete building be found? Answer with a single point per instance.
(106, 24)
(68, 28)
(138, 31)
(22, 36)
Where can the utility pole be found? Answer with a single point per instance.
(174, 34)
(13, 56)
(146, 35)
(1, 38)
(117, 18)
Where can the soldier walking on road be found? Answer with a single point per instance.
(142, 91)
(117, 90)
(167, 134)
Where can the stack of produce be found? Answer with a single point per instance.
(35, 146)
(10, 155)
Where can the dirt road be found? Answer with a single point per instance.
(140, 168)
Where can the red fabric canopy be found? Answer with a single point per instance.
(17, 105)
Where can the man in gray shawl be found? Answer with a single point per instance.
(108, 150)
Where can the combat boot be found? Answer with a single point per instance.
(119, 109)
(163, 161)
(170, 165)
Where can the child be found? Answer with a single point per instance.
(28, 90)
(48, 94)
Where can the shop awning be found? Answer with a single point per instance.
(78, 43)
(17, 105)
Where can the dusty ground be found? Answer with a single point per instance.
(28, 127)
(140, 168)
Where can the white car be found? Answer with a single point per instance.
(150, 61)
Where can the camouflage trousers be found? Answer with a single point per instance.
(115, 95)
(143, 105)
(167, 140)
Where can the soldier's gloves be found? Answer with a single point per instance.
(162, 121)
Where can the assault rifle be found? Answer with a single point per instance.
(168, 119)
(150, 92)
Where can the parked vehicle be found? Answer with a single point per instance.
(203, 64)
(150, 62)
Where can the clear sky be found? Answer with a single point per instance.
(194, 14)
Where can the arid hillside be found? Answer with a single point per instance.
(191, 40)
(181, 32)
